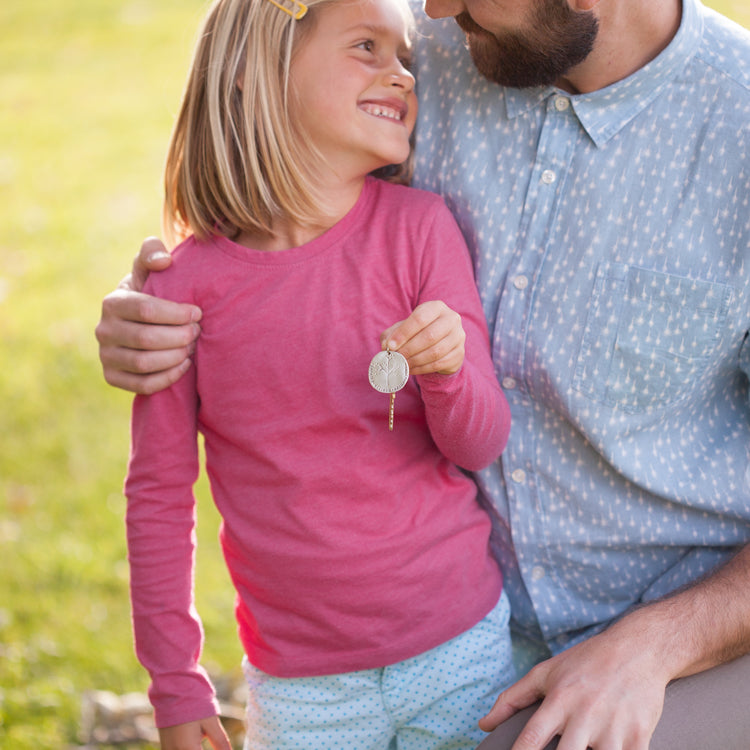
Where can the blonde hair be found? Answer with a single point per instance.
(235, 160)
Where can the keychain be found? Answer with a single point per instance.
(389, 372)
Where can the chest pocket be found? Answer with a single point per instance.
(648, 336)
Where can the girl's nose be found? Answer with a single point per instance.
(400, 77)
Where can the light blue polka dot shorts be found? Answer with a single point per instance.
(429, 702)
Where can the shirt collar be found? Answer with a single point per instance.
(605, 112)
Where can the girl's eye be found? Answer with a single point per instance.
(368, 45)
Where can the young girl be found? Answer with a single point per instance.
(368, 603)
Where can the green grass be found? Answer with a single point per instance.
(88, 90)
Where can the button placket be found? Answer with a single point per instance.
(518, 476)
(548, 177)
(555, 147)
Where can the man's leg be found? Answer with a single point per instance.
(506, 734)
(706, 711)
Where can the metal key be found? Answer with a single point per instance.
(388, 373)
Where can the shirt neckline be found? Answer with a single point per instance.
(310, 250)
(605, 112)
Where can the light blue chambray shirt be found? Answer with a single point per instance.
(610, 233)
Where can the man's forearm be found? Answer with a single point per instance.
(702, 625)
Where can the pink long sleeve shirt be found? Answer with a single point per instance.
(350, 547)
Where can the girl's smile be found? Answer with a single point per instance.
(392, 110)
(351, 86)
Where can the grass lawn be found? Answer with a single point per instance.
(82, 137)
(88, 89)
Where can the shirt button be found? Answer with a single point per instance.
(561, 103)
(509, 383)
(548, 177)
(518, 476)
(520, 282)
(537, 573)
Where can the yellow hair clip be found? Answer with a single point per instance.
(296, 12)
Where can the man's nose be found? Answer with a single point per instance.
(443, 8)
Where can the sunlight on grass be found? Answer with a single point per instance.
(81, 147)
(89, 89)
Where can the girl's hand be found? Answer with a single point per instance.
(191, 735)
(431, 338)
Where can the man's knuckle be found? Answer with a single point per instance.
(140, 362)
(530, 737)
(107, 359)
(642, 729)
(141, 340)
(101, 333)
(145, 310)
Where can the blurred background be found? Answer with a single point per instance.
(88, 92)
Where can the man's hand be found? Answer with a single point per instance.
(190, 736)
(145, 342)
(432, 339)
(606, 693)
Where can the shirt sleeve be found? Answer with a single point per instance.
(745, 359)
(467, 413)
(163, 467)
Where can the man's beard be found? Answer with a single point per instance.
(559, 38)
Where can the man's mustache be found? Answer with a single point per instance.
(469, 25)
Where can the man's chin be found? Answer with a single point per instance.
(504, 65)
(501, 69)
(535, 59)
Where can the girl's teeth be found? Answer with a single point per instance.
(378, 112)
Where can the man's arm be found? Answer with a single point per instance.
(145, 342)
(608, 692)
